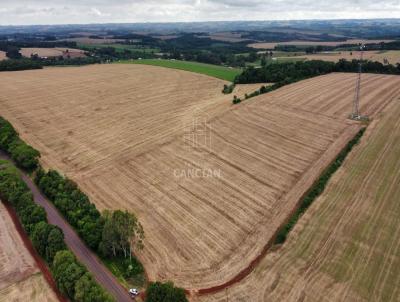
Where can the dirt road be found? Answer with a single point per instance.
(83, 253)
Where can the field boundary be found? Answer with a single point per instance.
(317, 188)
(215, 71)
(271, 242)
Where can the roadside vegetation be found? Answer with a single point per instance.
(71, 277)
(220, 72)
(113, 235)
(24, 155)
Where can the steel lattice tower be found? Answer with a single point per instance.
(356, 102)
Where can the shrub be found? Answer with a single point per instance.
(236, 100)
(228, 89)
(165, 292)
(24, 155)
(87, 290)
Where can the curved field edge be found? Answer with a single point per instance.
(345, 246)
(219, 72)
(88, 148)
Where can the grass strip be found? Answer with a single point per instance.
(216, 71)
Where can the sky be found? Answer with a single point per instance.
(26, 12)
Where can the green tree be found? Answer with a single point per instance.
(7, 134)
(66, 272)
(55, 243)
(39, 237)
(165, 292)
(87, 290)
(24, 155)
(31, 215)
(122, 232)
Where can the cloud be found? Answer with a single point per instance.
(98, 11)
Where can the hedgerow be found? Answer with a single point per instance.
(317, 188)
(48, 240)
(24, 155)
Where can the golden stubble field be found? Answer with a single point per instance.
(210, 182)
(51, 52)
(346, 247)
(271, 45)
(391, 56)
(20, 279)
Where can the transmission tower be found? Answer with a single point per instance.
(355, 115)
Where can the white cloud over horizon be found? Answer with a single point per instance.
(27, 12)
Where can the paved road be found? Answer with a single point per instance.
(83, 253)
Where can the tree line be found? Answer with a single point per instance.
(39, 63)
(24, 155)
(71, 277)
(113, 235)
(317, 189)
(277, 72)
(285, 73)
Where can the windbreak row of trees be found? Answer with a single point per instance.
(276, 72)
(71, 277)
(4, 44)
(317, 189)
(16, 65)
(24, 155)
(282, 74)
(113, 235)
(39, 63)
(73, 204)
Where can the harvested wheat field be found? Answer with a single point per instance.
(32, 289)
(51, 52)
(210, 182)
(271, 45)
(18, 270)
(2, 55)
(392, 56)
(346, 247)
